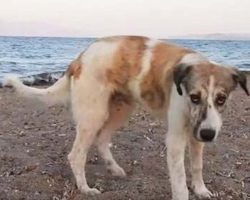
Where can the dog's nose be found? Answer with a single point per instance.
(207, 135)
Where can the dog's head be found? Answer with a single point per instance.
(207, 87)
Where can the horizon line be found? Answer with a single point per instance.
(173, 37)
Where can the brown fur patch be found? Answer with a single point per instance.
(127, 62)
(74, 69)
(222, 77)
(157, 82)
(120, 107)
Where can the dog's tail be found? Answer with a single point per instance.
(58, 93)
(55, 94)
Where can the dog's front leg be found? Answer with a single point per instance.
(195, 151)
(176, 143)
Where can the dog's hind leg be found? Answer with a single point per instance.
(119, 112)
(90, 110)
(78, 155)
(195, 151)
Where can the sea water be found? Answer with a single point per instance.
(27, 56)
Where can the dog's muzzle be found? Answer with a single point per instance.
(207, 135)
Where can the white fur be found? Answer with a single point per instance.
(193, 59)
(98, 57)
(134, 85)
(213, 120)
(57, 93)
(89, 89)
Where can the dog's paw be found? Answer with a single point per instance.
(90, 191)
(117, 171)
(203, 192)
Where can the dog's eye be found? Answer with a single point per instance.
(195, 98)
(220, 100)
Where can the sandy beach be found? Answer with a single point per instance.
(35, 141)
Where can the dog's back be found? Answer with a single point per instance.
(137, 68)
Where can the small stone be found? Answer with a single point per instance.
(30, 168)
(150, 130)
(238, 163)
(21, 133)
(221, 193)
(232, 175)
(26, 127)
(10, 173)
(135, 162)
(243, 120)
(247, 108)
(153, 124)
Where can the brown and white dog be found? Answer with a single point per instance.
(105, 82)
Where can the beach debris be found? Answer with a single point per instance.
(163, 152)
(148, 138)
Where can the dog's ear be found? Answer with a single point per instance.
(240, 77)
(180, 72)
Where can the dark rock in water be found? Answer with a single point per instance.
(42, 79)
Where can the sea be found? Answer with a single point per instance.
(27, 57)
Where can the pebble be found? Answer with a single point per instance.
(135, 162)
(21, 133)
(153, 124)
(26, 127)
(30, 168)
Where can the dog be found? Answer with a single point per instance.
(114, 74)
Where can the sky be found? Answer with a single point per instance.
(98, 18)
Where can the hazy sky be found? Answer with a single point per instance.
(155, 18)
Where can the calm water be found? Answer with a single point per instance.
(33, 55)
